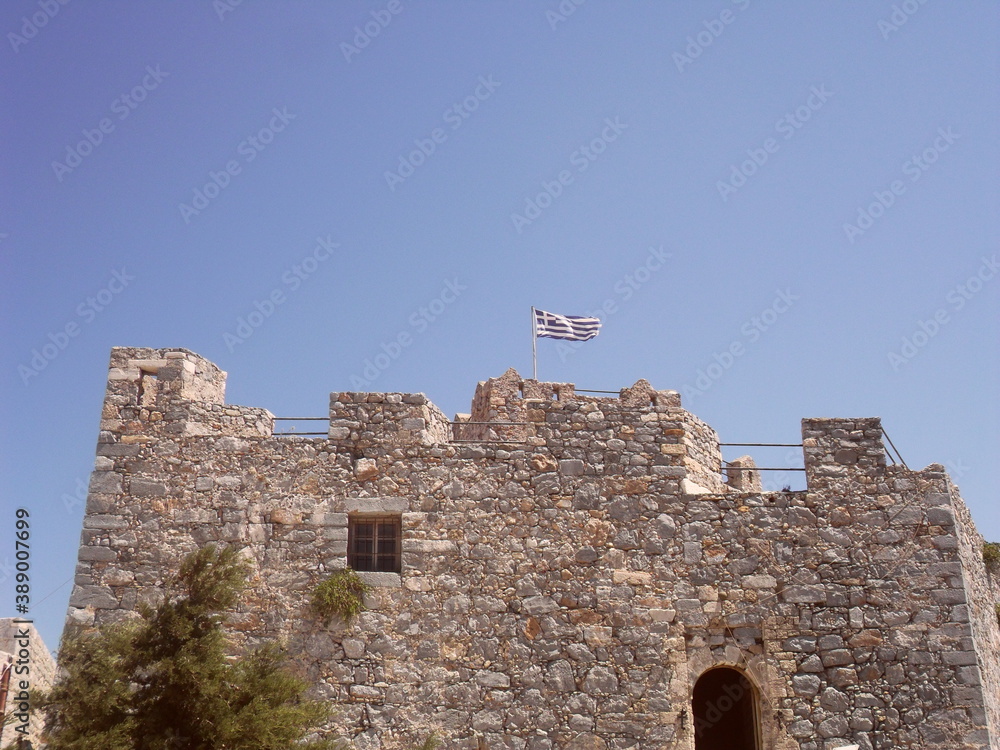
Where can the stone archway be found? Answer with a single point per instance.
(725, 708)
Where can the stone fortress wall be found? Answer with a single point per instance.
(570, 565)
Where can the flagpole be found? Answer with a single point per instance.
(534, 346)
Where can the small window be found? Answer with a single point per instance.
(147, 388)
(373, 543)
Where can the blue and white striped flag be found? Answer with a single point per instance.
(569, 327)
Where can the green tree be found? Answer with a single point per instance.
(164, 682)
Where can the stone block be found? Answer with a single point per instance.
(543, 463)
(97, 521)
(98, 597)
(804, 594)
(962, 658)
(493, 679)
(105, 482)
(837, 658)
(117, 449)
(835, 726)
(146, 488)
(537, 605)
(949, 596)
(806, 685)
(353, 648)
(232, 445)
(632, 577)
(600, 680)
(559, 677)
(588, 741)
(328, 519)
(945, 541)
(380, 579)
(691, 488)
(336, 533)
(365, 469)
(98, 554)
(662, 615)
(376, 505)
(571, 467)
(673, 449)
(941, 516)
(283, 516)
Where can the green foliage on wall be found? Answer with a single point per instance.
(341, 595)
(166, 679)
(991, 556)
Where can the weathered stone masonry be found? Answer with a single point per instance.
(570, 568)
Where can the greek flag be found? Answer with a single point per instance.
(570, 327)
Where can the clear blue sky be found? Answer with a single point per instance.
(736, 139)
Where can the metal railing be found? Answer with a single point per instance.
(456, 428)
(727, 467)
(889, 453)
(294, 433)
(890, 449)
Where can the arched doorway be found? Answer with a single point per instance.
(724, 706)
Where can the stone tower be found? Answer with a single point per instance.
(554, 570)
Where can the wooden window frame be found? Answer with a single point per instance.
(383, 554)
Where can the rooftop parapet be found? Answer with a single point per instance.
(641, 427)
(642, 421)
(155, 392)
(839, 449)
(369, 420)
